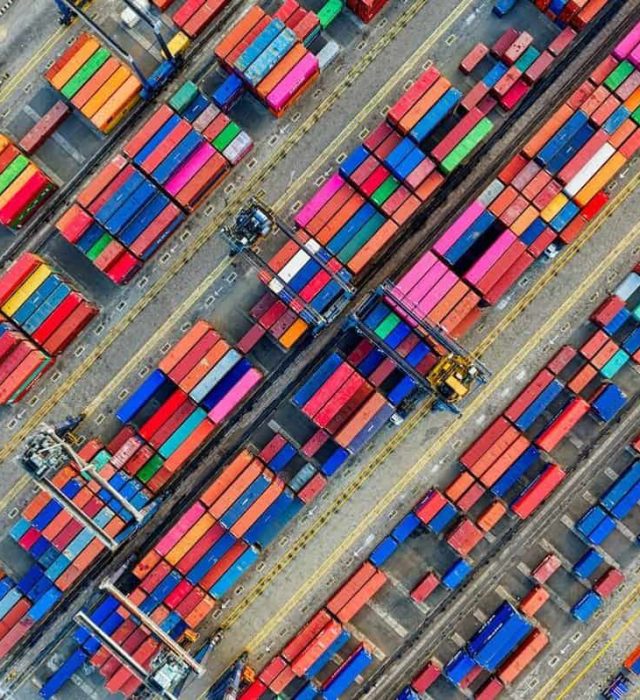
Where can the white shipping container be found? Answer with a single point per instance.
(491, 192)
(291, 269)
(628, 286)
(589, 170)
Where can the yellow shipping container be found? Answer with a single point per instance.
(190, 538)
(178, 44)
(105, 92)
(17, 184)
(26, 289)
(73, 65)
(554, 207)
(293, 333)
(4, 142)
(606, 173)
(117, 105)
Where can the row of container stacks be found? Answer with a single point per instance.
(197, 386)
(194, 16)
(575, 13)
(518, 66)
(340, 400)
(24, 187)
(307, 664)
(265, 56)
(380, 185)
(91, 79)
(169, 167)
(18, 613)
(62, 548)
(42, 314)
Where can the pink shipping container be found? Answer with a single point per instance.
(233, 398)
(288, 87)
(180, 528)
(319, 199)
(459, 226)
(189, 168)
(490, 257)
(630, 41)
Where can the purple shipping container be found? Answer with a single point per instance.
(287, 88)
(459, 226)
(480, 268)
(319, 199)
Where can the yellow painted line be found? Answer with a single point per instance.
(604, 627)
(475, 405)
(243, 193)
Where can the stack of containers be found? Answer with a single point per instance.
(95, 82)
(49, 314)
(194, 16)
(199, 384)
(366, 10)
(340, 400)
(269, 58)
(19, 611)
(130, 208)
(576, 13)
(519, 66)
(23, 186)
(119, 220)
(550, 190)
(62, 546)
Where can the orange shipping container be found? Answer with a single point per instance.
(222, 482)
(340, 218)
(423, 105)
(491, 516)
(96, 81)
(249, 517)
(238, 31)
(458, 486)
(500, 466)
(372, 247)
(62, 77)
(494, 451)
(360, 419)
(533, 601)
(118, 105)
(182, 347)
(295, 331)
(236, 489)
(523, 656)
(364, 595)
(204, 366)
(542, 136)
(101, 95)
(294, 56)
(351, 587)
(606, 173)
(189, 540)
(190, 446)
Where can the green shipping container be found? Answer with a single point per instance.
(99, 246)
(615, 364)
(367, 232)
(636, 116)
(527, 58)
(226, 136)
(150, 469)
(182, 433)
(386, 189)
(329, 12)
(183, 97)
(32, 206)
(618, 75)
(389, 324)
(471, 141)
(11, 172)
(88, 70)
(101, 459)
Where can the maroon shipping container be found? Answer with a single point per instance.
(607, 311)
(489, 690)
(560, 43)
(539, 67)
(504, 42)
(44, 127)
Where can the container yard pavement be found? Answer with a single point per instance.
(255, 629)
(61, 392)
